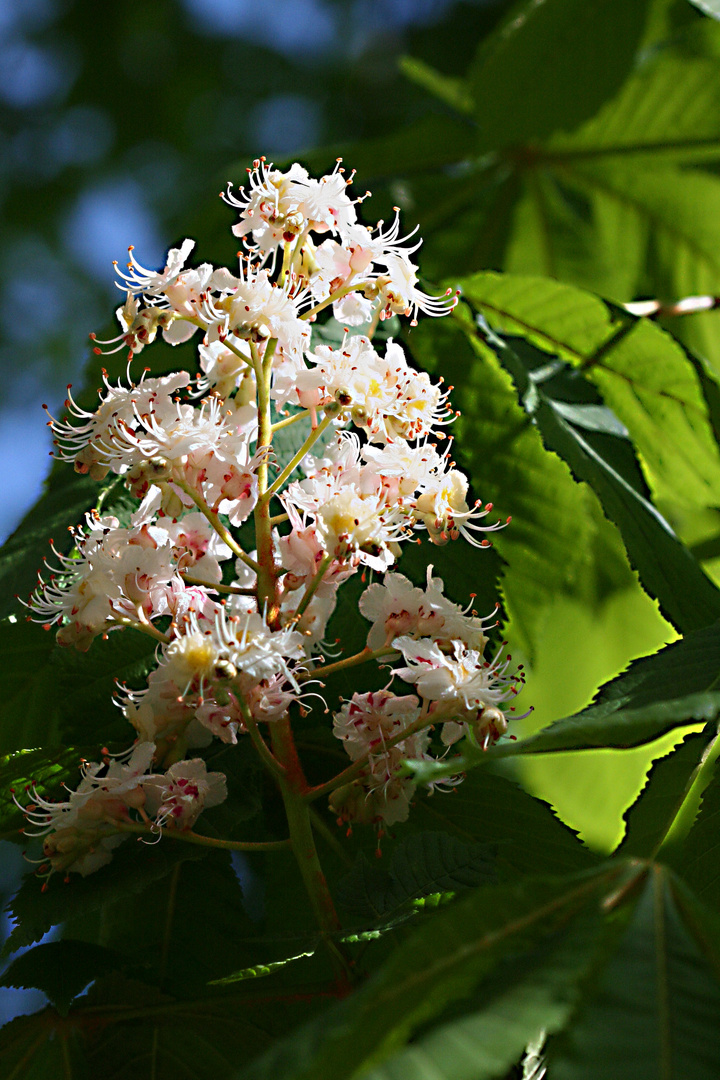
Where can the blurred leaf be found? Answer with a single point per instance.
(653, 1008)
(448, 89)
(520, 97)
(31, 1048)
(61, 969)
(709, 7)
(666, 108)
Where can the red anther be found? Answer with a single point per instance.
(485, 543)
(44, 887)
(488, 506)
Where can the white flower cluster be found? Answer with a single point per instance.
(240, 629)
(81, 833)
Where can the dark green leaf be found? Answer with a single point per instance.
(64, 503)
(521, 98)
(420, 865)
(678, 685)
(653, 1008)
(61, 695)
(699, 857)
(524, 832)
(437, 967)
(134, 867)
(651, 816)
(61, 969)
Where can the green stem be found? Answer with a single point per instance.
(189, 837)
(292, 787)
(267, 571)
(223, 532)
(338, 295)
(290, 420)
(296, 459)
(312, 587)
(144, 627)
(237, 589)
(350, 661)
(267, 757)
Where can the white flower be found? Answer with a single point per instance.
(397, 607)
(396, 291)
(80, 834)
(151, 282)
(177, 799)
(443, 510)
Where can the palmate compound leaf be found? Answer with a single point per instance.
(433, 973)
(575, 424)
(652, 1009)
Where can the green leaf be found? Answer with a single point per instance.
(678, 685)
(44, 770)
(61, 969)
(520, 97)
(137, 1031)
(653, 1008)
(420, 865)
(558, 541)
(58, 695)
(134, 867)
(432, 972)
(452, 91)
(482, 1038)
(651, 816)
(698, 859)
(32, 1048)
(606, 461)
(666, 109)
(64, 503)
(643, 375)
(527, 836)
